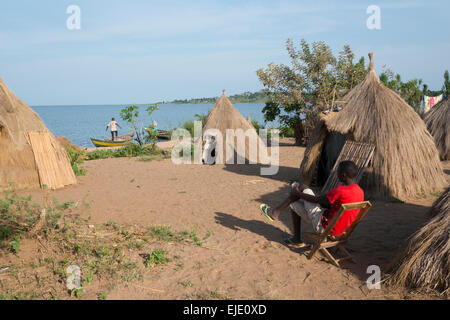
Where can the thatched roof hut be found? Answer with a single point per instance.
(425, 264)
(30, 156)
(224, 116)
(438, 123)
(405, 162)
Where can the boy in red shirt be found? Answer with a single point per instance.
(319, 210)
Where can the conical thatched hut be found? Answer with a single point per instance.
(405, 162)
(438, 123)
(30, 157)
(224, 117)
(425, 264)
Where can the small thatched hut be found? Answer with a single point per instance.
(438, 123)
(425, 264)
(30, 157)
(405, 162)
(224, 117)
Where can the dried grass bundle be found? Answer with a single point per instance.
(438, 123)
(17, 158)
(425, 264)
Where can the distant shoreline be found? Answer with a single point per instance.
(246, 97)
(167, 103)
(137, 104)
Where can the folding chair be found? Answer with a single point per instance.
(323, 241)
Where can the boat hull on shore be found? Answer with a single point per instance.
(118, 142)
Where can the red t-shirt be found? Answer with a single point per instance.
(341, 195)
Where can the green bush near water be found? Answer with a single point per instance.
(132, 150)
(189, 125)
(76, 157)
(285, 132)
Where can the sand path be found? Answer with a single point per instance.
(244, 258)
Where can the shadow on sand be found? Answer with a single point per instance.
(285, 174)
(378, 239)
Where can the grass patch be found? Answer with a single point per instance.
(133, 150)
(212, 295)
(156, 257)
(187, 284)
(107, 254)
(76, 158)
(19, 214)
(165, 233)
(101, 296)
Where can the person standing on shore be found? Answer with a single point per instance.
(113, 125)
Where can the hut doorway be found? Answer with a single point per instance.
(331, 149)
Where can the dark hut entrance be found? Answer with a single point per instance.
(331, 149)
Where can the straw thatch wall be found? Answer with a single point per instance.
(425, 264)
(405, 162)
(17, 160)
(438, 123)
(223, 116)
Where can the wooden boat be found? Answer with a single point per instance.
(163, 134)
(118, 142)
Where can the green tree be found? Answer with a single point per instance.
(446, 86)
(313, 82)
(143, 135)
(410, 91)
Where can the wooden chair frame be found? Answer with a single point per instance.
(323, 241)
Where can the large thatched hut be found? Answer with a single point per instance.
(425, 264)
(438, 123)
(30, 157)
(405, 162)
(224, 119)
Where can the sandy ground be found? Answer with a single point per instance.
(245, 257)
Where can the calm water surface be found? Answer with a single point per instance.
(79, 123)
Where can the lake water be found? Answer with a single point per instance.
(80, 123)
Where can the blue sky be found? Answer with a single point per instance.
(140, 51)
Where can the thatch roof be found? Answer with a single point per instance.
(405, 162)
(224, 116)
(17, 158)
(425, 264)
(438, 123)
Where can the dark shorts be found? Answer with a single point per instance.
(113, 133)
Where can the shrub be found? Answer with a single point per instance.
(189, 125)
(286, 132)
(257, 125)
(156, 257)
(76, 157)
(132, 150)
(18, 214)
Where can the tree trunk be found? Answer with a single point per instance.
(299, 133)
